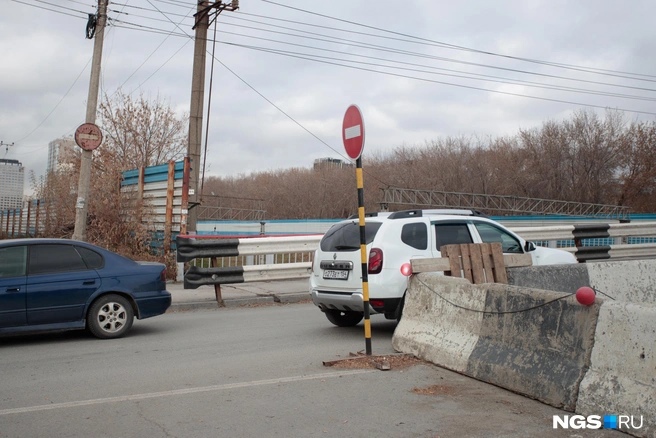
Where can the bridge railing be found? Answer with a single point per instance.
(214, 260)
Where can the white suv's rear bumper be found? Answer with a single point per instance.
(345, 301)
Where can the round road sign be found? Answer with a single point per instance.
(88, 136)
(353, 132)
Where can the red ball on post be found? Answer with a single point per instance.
(585, 295)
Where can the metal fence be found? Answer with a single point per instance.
(161, 189)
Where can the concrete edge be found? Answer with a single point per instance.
(292, 298)
(239, 302)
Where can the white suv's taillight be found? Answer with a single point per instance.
(375, 261)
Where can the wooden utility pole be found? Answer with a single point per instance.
(196, 111)
(82, 203)
(204, 10)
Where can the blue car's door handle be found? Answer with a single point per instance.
(12, 289)
(85, 282)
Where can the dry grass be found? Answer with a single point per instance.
(388, 362)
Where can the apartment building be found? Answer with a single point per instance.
(59, 151)
(12, 181)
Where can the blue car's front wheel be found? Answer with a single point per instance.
(110, 316)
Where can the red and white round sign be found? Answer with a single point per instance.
(88, 136)
(353, 132)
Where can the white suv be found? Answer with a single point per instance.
(392, 240)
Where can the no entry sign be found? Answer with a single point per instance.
(353, 132)
(88, 136)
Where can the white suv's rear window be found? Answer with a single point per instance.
(415, 235)
(345, 236)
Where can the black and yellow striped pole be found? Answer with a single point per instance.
(363, 257)
(353, 137)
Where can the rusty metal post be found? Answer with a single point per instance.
(217, 287)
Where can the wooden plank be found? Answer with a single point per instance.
(477, 263)
(488, 263)
(460, 264)
(429, 265)
(452, 253)
(516, 260)
(442, 263)
(498, 259)
(465, 262)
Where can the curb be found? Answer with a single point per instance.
(300, 297)
(239, 302)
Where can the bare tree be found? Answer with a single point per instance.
(587, 158)
(141, 132)
(637, 172)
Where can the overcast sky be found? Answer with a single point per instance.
(287, 70)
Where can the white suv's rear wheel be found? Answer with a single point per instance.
(342, 318)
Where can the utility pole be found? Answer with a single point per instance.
(82, 204)
(204, 9)
(196, 110)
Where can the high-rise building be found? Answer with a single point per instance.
(12, 180)
(57, 151)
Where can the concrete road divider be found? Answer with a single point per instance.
(530, 341)
(433, 327)
(632, 281)
(534, 342)
(622, 375)
(558, 278)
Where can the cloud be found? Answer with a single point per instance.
(263, 104)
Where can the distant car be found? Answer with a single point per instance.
(59, 284)
(393, 239)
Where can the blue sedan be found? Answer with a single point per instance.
(59, 284)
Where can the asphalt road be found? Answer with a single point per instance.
(246, 372)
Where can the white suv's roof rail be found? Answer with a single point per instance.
(404, 214)
(442, 211)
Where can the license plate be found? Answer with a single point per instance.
(336, 275)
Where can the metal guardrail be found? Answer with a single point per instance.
(583, 241)
(597, 241)
(564, 232)
(194, 247)
(190, 248)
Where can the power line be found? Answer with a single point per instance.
(328, 60)
(332, 39)
(58, 103)
(487, 77)
(396, 51)
(413, 39)
(417, 40)
(53, 10)
(472, 87)
(405, 52)
(442, 44)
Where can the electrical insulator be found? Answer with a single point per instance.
(235, 4)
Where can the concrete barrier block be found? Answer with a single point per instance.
(559, 278)
(534, 342)
(434, 327)
(632, 281)
(622, 375)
